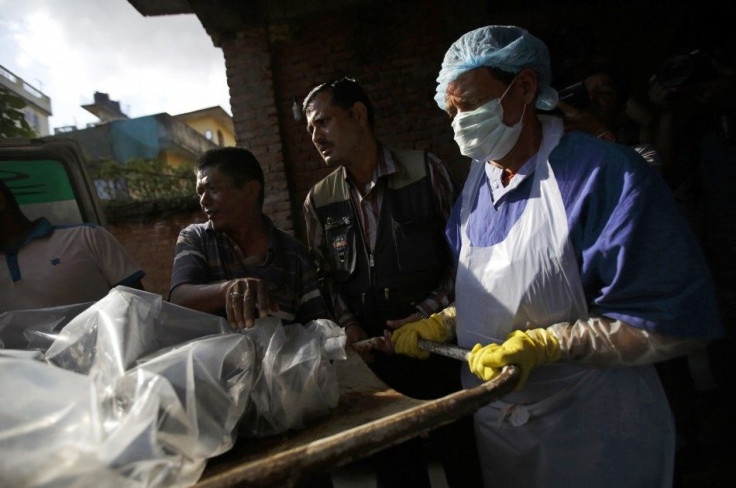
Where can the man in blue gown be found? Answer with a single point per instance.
(574, 263)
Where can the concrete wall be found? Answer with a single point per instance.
(204, 123)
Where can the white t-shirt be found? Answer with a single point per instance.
(63, 265)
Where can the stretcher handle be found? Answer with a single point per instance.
(447, 350)
(461, 354)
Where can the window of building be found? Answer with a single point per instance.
(32, 119)
(208, 134)
(220, 138)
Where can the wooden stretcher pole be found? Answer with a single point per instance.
(370, 417)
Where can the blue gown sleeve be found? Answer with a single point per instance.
(639, 261)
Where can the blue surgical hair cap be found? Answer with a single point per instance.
(505, 47)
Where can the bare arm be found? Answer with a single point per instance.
(208, 298)
(243, 299)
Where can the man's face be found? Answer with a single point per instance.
(225, 205)
(335, 132)
(477, 87)
(604, 97)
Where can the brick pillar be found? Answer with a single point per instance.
(253, 103)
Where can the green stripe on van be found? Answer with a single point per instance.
(37, 181)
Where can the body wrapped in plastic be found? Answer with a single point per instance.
(137, 392)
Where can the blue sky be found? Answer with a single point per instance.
(69, 49)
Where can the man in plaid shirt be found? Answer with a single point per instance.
(238, 264)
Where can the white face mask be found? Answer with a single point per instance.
(481, 133)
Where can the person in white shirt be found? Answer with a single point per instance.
(46, 265)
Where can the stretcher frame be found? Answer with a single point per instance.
(369, 417)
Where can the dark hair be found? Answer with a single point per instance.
(10, 200)
(237, 163)
(345, 93)
(620, 80)
(595, 65)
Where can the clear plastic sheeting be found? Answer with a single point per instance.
(295, 371)
(134, 391)
(34, 329)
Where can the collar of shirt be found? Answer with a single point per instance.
(273, 246)
(41, 228)
(386, 166)
(494, 175)
(367, 201)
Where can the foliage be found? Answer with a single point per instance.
(12, 121)
(142, 180)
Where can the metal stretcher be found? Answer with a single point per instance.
(369, 417)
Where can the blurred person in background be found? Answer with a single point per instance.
(694, 91)
(599, 101)
(46, 265)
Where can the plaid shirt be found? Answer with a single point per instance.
(204, 255)
(368, 201)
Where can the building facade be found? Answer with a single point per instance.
(38, 106)
(175, 139)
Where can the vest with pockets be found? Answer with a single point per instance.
(410, 256)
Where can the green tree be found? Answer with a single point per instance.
(12, 121)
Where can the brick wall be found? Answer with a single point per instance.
(393, 52)
(255, 118)
(152, 243)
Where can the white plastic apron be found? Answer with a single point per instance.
(570, 426)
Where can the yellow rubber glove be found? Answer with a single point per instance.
(406, 338)
(527, 350)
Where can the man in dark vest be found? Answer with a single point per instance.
(375, 227)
